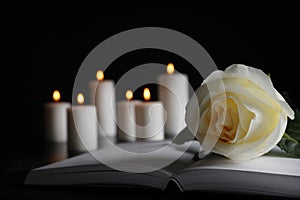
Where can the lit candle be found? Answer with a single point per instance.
(103, 97)
(82, 127)
(173, 92)
(94, 84)
(149, 119)
(55, 116)
(126, 118)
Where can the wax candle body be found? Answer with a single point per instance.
(126, 120)
(173, 92)
(55, 116)
(103, 97)
(150, 120)
(82, 128)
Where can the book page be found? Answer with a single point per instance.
(274, 162)
(88, 169)
(90, 158)
(275, 174)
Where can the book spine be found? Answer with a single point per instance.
(172, 184)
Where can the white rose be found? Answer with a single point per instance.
(238, 113)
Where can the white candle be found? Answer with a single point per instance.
(55, 116)
(126, 118)
(103, 97)
(149, 119)
(173, 92)
(82, 127)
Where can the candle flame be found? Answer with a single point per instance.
(170, 68)
(147, 94)
(100, 75)
(56, 95)
(129, 95)
(80, 98)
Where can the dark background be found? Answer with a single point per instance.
(45, 44)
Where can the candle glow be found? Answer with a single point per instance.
(56, 95)
(100, 75)
(170, 68)
(129, 95)
(80, 98)
(147, 94)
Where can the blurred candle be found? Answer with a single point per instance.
(94, 84)
(82, 127)
(150, 119)
(173, 92)
(55, 116)
(126, 118)
(103, 97)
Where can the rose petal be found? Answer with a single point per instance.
(247, 151)
(260, 78)
(254, 75)
(262, 113)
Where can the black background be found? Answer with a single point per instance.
(45, 43)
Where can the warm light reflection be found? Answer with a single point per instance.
(147, 95)
(100, 75)
(170, 68)
(129, 95)
(56, 95)
(80, 98)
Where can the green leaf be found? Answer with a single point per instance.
(292, 147)
(295, 134)
(290, 142)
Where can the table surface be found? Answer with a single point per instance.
(15, 168)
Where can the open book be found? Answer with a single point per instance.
(273, 174)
